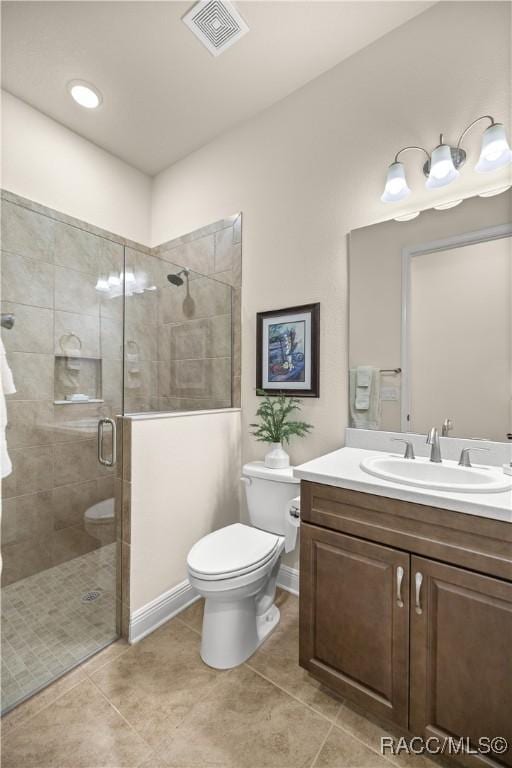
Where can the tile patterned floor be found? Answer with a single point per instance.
(156, 705)
(47, 629)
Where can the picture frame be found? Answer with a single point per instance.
(288, 351)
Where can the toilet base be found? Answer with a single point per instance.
(232, 631)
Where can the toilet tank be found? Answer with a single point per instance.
(268, 491)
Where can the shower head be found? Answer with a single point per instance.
(176, 279)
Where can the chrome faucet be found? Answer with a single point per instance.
(435, 447)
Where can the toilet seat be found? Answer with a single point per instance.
(232, 551)
(100, 513)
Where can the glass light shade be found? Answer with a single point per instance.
(442, 169)
(396, 184)
(495, 152)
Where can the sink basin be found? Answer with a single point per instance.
(447, 476)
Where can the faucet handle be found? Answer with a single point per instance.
(409, 448)
(464, 460)
(433, 435)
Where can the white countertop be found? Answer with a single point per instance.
(341, 468)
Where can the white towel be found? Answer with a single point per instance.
(364, 374)
(368, 416)
(6, 388)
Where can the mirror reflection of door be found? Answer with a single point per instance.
(460, 339)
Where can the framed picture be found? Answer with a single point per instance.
(287, 351)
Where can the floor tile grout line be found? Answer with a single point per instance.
(365, 743)
(132, 727)
(189, 626)
(102, 666)
(24, 721)
(322, 745)
(333, 723)
(296, 698)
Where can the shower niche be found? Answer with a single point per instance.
(77, 379)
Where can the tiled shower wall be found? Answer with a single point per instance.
(183, 342)
(49, 274)
(183, 352)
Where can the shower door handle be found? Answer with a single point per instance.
(101, 427)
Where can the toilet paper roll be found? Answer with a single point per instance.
(292, 523)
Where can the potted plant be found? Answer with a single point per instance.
(276, 427)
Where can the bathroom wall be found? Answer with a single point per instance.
(49, 274)
(312, 167)
(182, 487)
(46, 162)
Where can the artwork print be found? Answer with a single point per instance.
(287, 351)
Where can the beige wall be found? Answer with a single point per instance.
(183, 487)
(49, 164)
(311, 168)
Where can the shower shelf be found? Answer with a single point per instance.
(79, 402)
(77, 374)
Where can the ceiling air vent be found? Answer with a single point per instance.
(217, 24)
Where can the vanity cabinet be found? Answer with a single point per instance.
(394, 618)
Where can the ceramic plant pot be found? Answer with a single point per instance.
(277, 458)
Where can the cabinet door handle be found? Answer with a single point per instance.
(399, 579)
(418, 579)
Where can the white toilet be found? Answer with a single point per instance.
(99, 521)
(235, 568)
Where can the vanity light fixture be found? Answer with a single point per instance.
(85, 94)
(442, 167)
(497, 191)
(447, 206)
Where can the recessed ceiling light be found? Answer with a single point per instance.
(85, 94)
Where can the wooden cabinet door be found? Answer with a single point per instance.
(461, 655)
(354, 619)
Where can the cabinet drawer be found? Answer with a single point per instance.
(469, 541)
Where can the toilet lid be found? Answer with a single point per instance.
(232, 549)
(102, 512)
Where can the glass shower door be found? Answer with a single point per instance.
(62, 334)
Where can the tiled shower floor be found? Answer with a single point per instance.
(46, 628)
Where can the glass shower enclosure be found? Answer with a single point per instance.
(92, 328)
(62, 365)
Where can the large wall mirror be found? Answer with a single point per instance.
(430, 339)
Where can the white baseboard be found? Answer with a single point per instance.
(151, 616)
(161, 609)
(288, 579)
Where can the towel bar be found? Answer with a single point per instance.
(391, 370)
